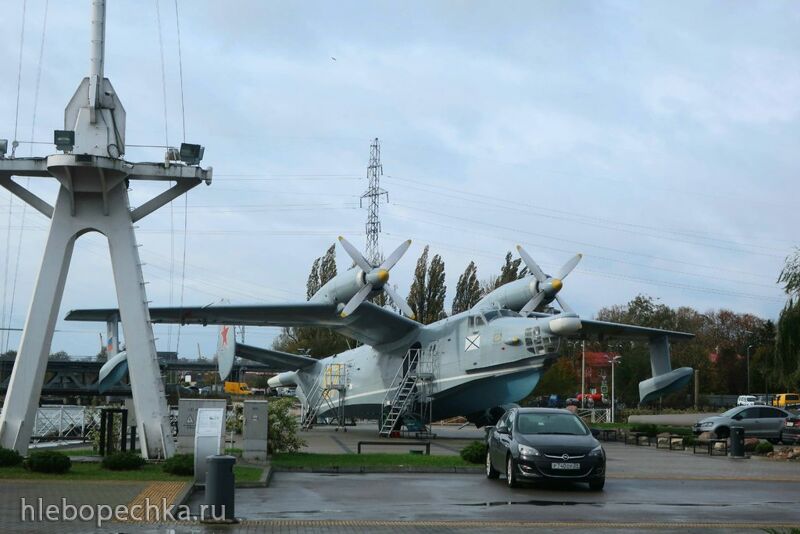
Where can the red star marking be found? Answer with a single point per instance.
(224, 333)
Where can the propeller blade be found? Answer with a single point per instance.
(567, 267)
(357, 299)
(395, 256)
(564, 305)
(532, 266)
(400, 302)
(353, 252)
(533, 303)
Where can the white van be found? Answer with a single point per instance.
(748, 400)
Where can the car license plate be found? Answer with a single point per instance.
(564, 465)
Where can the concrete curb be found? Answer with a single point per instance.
(382, 469)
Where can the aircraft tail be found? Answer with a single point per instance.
(665, 379)
(227, 348)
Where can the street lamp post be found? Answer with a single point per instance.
(748, 368)
(613, 360)
(583, 374)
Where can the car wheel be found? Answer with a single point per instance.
(774, 441)
(597, 484)
(511, 472)
(723, 432)
(491, 472)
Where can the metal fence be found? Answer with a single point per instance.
(64, 422)
(595, 415)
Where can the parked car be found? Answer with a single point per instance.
(749, 400)
(786, 400)
(757, 421)
(533, 444)
(790, 433)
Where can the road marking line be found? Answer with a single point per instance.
(698, 478)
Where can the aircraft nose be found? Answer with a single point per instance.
(556, 284)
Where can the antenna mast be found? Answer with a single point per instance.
(373, 194)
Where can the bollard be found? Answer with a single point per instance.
(219, 499)
(737, 442)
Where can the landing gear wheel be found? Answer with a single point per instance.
(597, 485)
(511, 473)
(491, 472)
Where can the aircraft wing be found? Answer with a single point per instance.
(369, 324)
(605, 330)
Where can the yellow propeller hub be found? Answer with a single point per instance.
(382, 276)
(556, 283)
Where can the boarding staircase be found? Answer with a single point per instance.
(410, 389)
(326, 396)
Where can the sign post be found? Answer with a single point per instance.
(208, 434)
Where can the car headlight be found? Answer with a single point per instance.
(597, 451)
(707, 424)
(524, 450)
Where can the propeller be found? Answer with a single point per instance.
(547, 286)
(375, 277)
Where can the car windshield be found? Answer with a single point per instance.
(731, 412)
(551, 423)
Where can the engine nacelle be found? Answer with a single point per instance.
(287, 378)
(513, 295)
(341, 288)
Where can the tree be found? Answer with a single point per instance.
(509, 272)
(721, 333)
(59, 356)
(436, 290)
(787, 341)
(312, 285)
(416, 295)
(558, 379)
(468, 291)
(427, 293)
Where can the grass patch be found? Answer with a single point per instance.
(94, 471)
(79, 452)
(247, 474)
(317, 461)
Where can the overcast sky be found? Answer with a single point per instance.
(660, 139)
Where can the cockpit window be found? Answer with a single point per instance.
(491, 315)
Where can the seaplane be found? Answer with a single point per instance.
(404, 373)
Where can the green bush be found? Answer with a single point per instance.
(474, 453)
(647, 428)
(764, 447)
(49, 462)
(180, 464)
(123, 461)
(283, 428)
(9, 457)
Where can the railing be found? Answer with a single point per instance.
(64, 422)
(595, 415)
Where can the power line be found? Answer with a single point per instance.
(571, 216)
(28, 180)
(707, 290)
(14, 145)
(180, 71)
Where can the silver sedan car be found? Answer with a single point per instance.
(757, 421)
